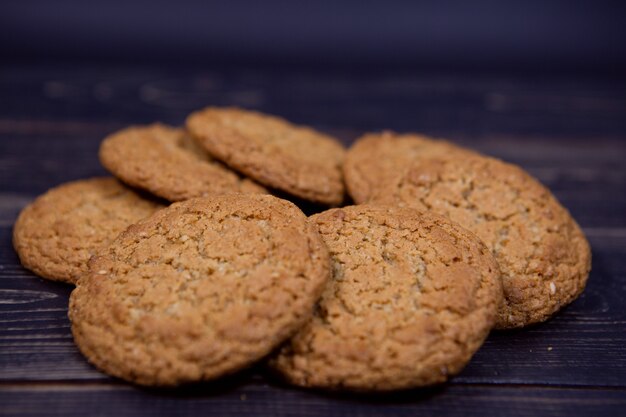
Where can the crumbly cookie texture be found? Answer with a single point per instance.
(272, 151)
(168, 163)
(411, 298)
(200, 289)
(376, 157)
(57, 234)
(544, 256)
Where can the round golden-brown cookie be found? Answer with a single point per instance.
(57, 234)
(200, 289)
(272, 151)
(543, 255)
(375, 157)
(411, 298)
(167, 162)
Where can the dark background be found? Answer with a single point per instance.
(484, 35)
(538, 83)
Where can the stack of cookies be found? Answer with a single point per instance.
(195, 261)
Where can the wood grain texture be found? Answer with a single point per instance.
(276, 400)
(569, 133)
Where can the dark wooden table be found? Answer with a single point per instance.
(570, 132)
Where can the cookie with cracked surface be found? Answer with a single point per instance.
(57, 234)
(544, 256)
(411, 298)
(272, 151)
(168, 163)
(376, 157)
(201, 289)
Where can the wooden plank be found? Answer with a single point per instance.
(242, 397)
(589, 206)
(579, 172)
(398, 100)
(574, 349)
(533, 150)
